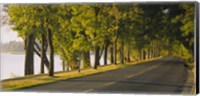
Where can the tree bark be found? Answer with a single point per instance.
(96, 61)
(46, 61)
(63, 65)
(29, 55)
(122, 53)
(111, 55)
(153, 50)
(115, 52)
(97, 48)
(50, 43)
(42, 54)
(152, 53)
(106, 54)
(144, 55)
(128, 53)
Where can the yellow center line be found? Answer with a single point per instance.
(89, 90)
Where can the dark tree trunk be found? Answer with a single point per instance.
(144, 55)
(153, 50)
(115, 52)
(86, 59)
(50, 43)
(128, 53)
(111, 55)
(63, 65)
(96, 59)
(97, 48)
(29, 55)
(42, 53)
(106, 54)
(38, 51)
(122, 53)
(46, 61)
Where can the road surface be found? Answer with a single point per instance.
(166, 75)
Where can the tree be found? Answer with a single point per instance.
(20, 16)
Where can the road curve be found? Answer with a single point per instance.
(166, 75)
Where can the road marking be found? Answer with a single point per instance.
(141, 72)
(110, 83)
(129, 76)
(89, 90)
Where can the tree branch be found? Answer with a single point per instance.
(37, 46)
(46, 61)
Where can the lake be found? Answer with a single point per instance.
(12, 65)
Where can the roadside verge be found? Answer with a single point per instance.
(190, 81)
(34, 80)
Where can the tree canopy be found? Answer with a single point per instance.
(118, 32)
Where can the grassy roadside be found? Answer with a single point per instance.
(190, 81)
(34, 80)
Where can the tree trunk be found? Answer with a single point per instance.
(50, 43)
(63, 65)
(97, 48)
(144, 55)
(46, 61)
(153, 49)
(128, 53)
(152, 53)
(106, 54)
(96, 61)
(115, 52)
(29, 55)
(42, 54)
(86, 59)
(122, 53)
(111, 55)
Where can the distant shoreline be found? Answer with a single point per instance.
(13, 52)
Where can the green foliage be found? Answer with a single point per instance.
(181, 51)
(168, 29)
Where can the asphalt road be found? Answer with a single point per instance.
(166, 75)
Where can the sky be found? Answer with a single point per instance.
(7, 35)
(6, 32)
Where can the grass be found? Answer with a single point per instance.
(190, 65)
(34, 80)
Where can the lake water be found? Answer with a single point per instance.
(12, 65)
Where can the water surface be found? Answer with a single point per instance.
(12, 65)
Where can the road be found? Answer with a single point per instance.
(166, 75)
